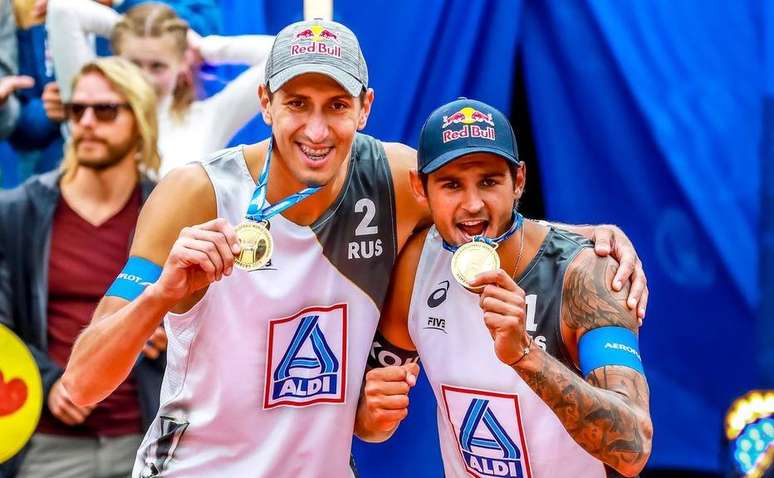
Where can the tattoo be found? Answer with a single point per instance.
(608, 414)
(589, 301)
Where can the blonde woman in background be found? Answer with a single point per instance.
(153, 37)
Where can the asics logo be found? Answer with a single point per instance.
(438, 296)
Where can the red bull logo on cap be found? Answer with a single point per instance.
(316, 39)
(469, 118)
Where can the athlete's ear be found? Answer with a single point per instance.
(263, 97)
(520, 181)
(365, 110)
(418, 188)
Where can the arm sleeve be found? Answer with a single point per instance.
(49, 371)
(70, 24)
(237, 102)
(9, 61)
(9, 65)
(5, 289)
(241, 49)
(203, 16)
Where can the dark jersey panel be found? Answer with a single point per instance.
(544, 278)
(358, 233)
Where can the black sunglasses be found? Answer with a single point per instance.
(104, 112)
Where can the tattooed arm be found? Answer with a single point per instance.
(607, 414)
(611, 240)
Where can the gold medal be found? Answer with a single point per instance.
(256, 244)
(470, 260)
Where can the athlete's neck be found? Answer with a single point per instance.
(508, 250)
(282, 183)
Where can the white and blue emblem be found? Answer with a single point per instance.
(306, 359)
(489, 432)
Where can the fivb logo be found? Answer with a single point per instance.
(307, 358)
(489, 432)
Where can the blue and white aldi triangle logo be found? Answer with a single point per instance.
(306, 360)
(489, 432)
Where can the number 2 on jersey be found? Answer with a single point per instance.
(365, 249)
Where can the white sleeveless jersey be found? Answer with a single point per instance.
(490, 422)
(264, 373)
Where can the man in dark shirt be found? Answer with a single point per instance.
(63, 238)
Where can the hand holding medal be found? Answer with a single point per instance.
(253, 233)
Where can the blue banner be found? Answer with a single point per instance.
(766, 312)
(648, 116)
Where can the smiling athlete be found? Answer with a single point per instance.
(532, 356)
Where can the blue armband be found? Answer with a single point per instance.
(609, 346)
(137, 274)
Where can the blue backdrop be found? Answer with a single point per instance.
(766, 314)
(654, 112)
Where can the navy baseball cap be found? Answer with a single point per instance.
(463, 127)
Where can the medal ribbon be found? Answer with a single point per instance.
(257, 210)
(516, 221)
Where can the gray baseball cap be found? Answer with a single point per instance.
(317, 46)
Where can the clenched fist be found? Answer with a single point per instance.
(385, 400)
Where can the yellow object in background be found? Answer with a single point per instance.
(25, 13)
(21, 394)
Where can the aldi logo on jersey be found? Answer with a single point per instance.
(489, 432)
(307, 358)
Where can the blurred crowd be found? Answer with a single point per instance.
(46, 42)
(86, 135)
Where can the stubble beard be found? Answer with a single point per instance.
(115, 155)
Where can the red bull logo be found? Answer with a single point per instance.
(317, 33)
(469, 118)
(316, 39)
(468, 115)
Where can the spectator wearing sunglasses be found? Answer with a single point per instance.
(64, 235)
(155, 38)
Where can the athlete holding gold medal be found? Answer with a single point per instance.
(265, 362)
(253, 234)
(507, 366)
(480, 255)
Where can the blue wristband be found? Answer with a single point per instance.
(137, 274)
(609, 346)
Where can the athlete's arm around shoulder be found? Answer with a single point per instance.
(178, 229)
(410, 214)
(393, 322)
(608, 413)
(384, 399)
